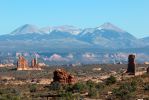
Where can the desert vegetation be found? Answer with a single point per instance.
(130, 88)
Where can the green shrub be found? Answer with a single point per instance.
(66, 95)
(90, 84)
(79, 87)
(111, 80)
(9, 97)
(9, 91)
(93, 93)
(100, 86)
(33, 88)
(125, 90)
(68, 88)
(146, 87)
(14, 91)
(1, 91)
(56, 86)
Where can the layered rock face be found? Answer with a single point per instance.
(63, 77)
(131, 65)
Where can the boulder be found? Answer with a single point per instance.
(63, 77)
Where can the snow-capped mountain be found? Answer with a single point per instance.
(32, 32)
(105, 36)
(87, 31)
(105, 27)
(25, 29)
(69, 29)
(30, 29)
(66, 28)
(109, 26)
(108, 35)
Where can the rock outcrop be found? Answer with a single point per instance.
(147, 70)
(22, 64)
(63, 77)
(131, 65)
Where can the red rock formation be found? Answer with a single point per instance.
(71, 79)
(34, 63)
(147, 70)
(131, 65)
(63, 77)
(22, 63)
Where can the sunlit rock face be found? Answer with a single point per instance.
(22, 63)
(63, 77)
(131, 64)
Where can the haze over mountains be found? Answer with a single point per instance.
(107, 36)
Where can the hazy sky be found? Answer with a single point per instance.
(130, 15)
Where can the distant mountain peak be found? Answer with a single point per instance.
(25, 29)
(29, 29)
(109, 26)
(28, 25)
(64, 28)
(68, 28)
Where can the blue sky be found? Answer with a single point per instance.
(130, 15)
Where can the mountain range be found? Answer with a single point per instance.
(107, 36)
